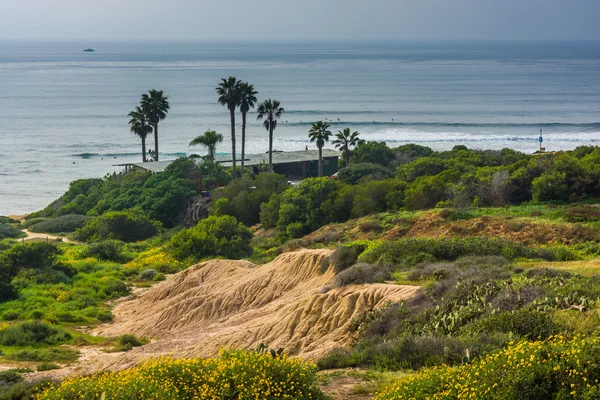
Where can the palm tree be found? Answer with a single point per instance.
(156, 107)
(319, 133)
(344, 140)
(209, 139)
(138, 124)
(270, 111)
(229, 95)
(247, 101)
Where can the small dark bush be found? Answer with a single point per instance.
(47, 366)
(128, 342)
(9, 377)
(109, 250)
(361, 273)
(32, 333)
(148, 274)
(7, 220)
(159, 277)
(345, 256)
(64, 223)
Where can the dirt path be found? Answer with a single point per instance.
(34, 235)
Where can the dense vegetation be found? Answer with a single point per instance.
(232, 375)
(504, 256)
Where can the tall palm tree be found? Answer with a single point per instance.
(229, 95)
(138, 124)
(156, 106)
(319, 133)
(209, 139)
(247, 101)
(344, 140)
(270, 111)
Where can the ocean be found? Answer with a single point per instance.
(63, 112)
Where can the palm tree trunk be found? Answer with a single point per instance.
(346, 155)
(156, 142)
(271, 146)
(211, 153)
(243, 141)
(232, 117)
(143, 149)
(320, 161)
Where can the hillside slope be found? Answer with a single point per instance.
(223, 303)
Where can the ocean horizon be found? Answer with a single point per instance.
(63, 111)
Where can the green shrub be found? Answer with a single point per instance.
(159, 277)
(525, 323)
(32, 333)
(9, 231)
(32, 221)
(7, 220)
(148, 274)
(10, 315)
(213, 237)
(64, 223)
(346, 256)
(50, 354)
(47, 366)
(127, 226)
(128, 342)
(9, 377)
(362, 273)
(550, 186)
(109, 250)
(25, 390)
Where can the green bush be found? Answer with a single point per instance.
(550, 186)
(109, 250)
(7, 220)
(525, 323)
(213, 237)
(10, 315)
(64, 223)
(128, 342)
(25, 390)
(32, 333)
(32, 221)
(148, 274)
(127, 226)
(362, 273)
(9, 231)
(9, 377)
(346, 256)
(57, 354)
(47, 366)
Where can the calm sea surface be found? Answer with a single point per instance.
(63, 112)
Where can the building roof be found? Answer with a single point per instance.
(279, 157)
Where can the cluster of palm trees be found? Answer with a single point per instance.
(153, 108)
(234, 94)
(344, 140)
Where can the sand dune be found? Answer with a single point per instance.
(223, 303)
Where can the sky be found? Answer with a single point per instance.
(280, 20)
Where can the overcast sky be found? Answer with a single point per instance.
(233, 20)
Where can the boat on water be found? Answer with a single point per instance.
(89, 50)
